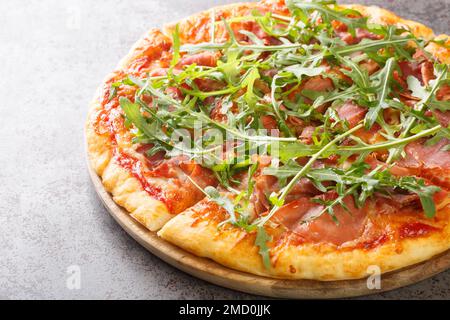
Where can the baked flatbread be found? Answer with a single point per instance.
(334, 138)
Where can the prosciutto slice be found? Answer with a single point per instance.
(443, 117)
(420, 155)
(323, 228)
(341, 30)
(443, 93)
(429, 162)
(206, 59)
(352, 113)
(266, 184)
(318, 83)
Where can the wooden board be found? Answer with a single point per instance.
(213, 272)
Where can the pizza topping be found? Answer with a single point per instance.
(340, 106)
(318, 84)
(307, 134)
(304, 218)
(420, 155)
(415, 229)
(206, 59)
(442, 117)
(443, 93)
(351, 113)
(360, 35)
(374, 242)
(153, 158)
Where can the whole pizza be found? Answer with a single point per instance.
(290, 139)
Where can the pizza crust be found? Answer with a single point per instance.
(125, 189)
(440, 52)
(203, 32)
(233, 247)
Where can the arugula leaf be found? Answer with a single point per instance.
(441, 72)
(384, 78)
(262, 238)
(133, 114)
(248, 82)
(424, 192)
(299, 71)
(276, 107)
(175, 46)
(329, 14)
(359, 76)
(428, 205)
(416, 87)
(289, 169)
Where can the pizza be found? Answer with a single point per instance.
(288, 139)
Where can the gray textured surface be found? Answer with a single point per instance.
(53, 54)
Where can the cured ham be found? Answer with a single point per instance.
(318, 83)
(153, 159)
(209, 84)
(307, 134)
(300, 217)
(266, 184)
(295, 124)
(427, 71)
(430, 162)
(443, 94)
(443, 117)
(352, 113)
(256, 29)
(269, 122)
(206, 59)
(424, 71)
(370, 66)
(342, 32)
(420, 155)
(409, 68)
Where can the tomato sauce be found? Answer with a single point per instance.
(134, 166)
(375, 242)
(109, 121)
(415, 229)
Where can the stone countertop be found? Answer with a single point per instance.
(53, 54)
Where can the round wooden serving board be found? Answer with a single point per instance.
(213, 272)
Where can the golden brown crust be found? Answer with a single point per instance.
(440, 52)
(126, 190)
(235, 248)
(231, 246)
(196, 28)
